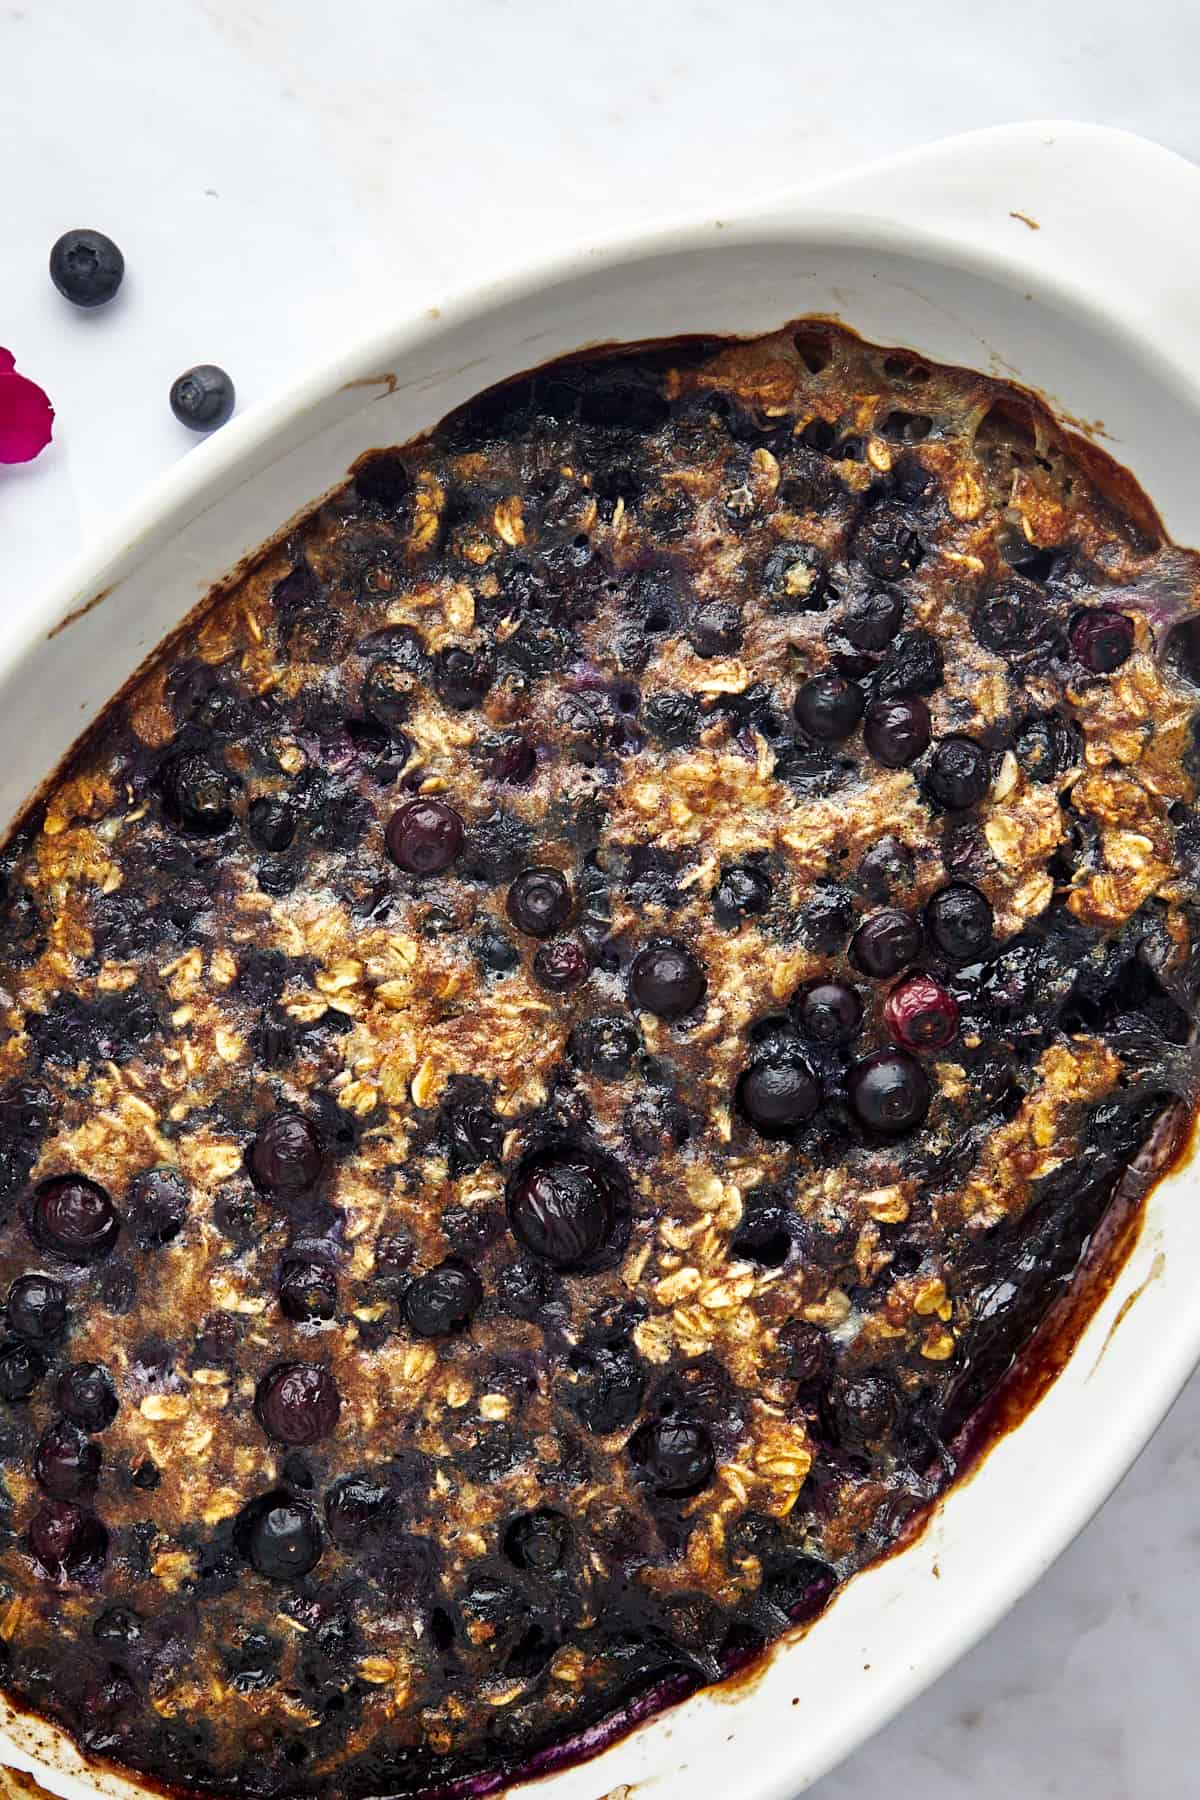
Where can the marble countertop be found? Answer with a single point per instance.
(277, 171)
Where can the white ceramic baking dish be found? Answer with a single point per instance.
(1061, 255)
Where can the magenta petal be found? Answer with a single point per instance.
(26, 415)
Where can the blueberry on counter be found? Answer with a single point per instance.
(86, 267)
(203, 398)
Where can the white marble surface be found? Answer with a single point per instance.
(279, 170)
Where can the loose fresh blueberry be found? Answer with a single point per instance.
(286, 1157)
(885, 943)
(960, 921)
(74, 1218)
(278, 1535)
(828, 1012)
(605, 1047)
(539, 902)
(563, 1205)
(1102, 639)
(156, 1207)
(203, 398)
(461, 677)
(889, 1092)
(562, 966)
(37, 1307)
(307, 1289)
(87, 1395)
(742, 893)
(197, 797)
(920, 1013)
(829, 708)
(538, 1541)
(1011, 621)
(381, 479)
(886, 545)
(666, 979)
(896, 732)
(424, 837)
(86, 267)
(674, 1455)
(66, 1542)
(297, 1403)
(872, 621)
(777, 1096)
(442, 1300)
(959, 774)
(716, 628)
(22, 1367)
(271, 823)
(66, 1464)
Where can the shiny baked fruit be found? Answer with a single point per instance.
(357, 1508)
(885, 943)
(872, 621)
(1101, 638)
(563, 1206)
(666, 979)
(285, 1158)
(827, 1012)
(443, 1299)
(37, 1307)
(1011, 621)
(203, 397)
(74, 1218)
(86, 267)
(539, 902)
(897, 731)
(271, 823)
(65, 1541)
(87, 1395)
(959, 774)
(886, 544)
(829, 708)
(297, 1403)
(889, 1092)
(921, 1014)
(278, 1536)
(777, 1096)
(424, 837)
(960, 921)
(66, 1463)
(461, 676)
(674, 1455)
(307, 1289)
(22, 1367)
(742, 893)
(538, 1541)
(605, 1046)
(197, 797)
(156, 1207)
(561, 966)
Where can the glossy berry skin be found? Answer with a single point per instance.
(777, 1097)
(202, 398)
(86, 267)
(285, 1158)
(871, 622)
(381, 479)
(307, 1290)
(886, 545)
(357, 1508)
(539, 902)
(37, 1307)
(828, 708)
(562, 1207)
(959, 920)
(716, 628)
(278, 1536)
(561, 966)
(889, 1092)
(197, 798)
(920, 1014)
(515, 762)
(675, 1456)
(1102, 639)
(424, 837)
(74, 1218)
(538, 1541)
(271, 824)
(22, 1367)
(1011, 621)
(666, 979)
(442, 1301)
(297, 1403)
(87, 1396)
(156, 1207)
(897, 731)
(860, 1410)
(828, 1012)
(742, 893)
(461, 677)
(605, 1047)
(959, 774)
(66, 1542)
(885, 943)
(608, 1392)
(66, 1464)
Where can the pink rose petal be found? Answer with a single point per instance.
(26, 415)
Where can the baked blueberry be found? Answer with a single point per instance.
(870, 622)
(828, 708)
(716, 628)
(203, 397)
(1012, 620)
(886, 544)
(67, 1543)
(959, 773)
(357, 1510)
(307, 1289)
(37, 1307)
(514, 761)
(87, 1395)
(605, 1046)
(666, 979)
(777, 1096)
(827, 1012)
(563, 1205)
(959, 920)
(1049, 746)
(674, 719)
(889, 1092)
(74, 1218)
(197, 797)
(1102, 638)
(297, 1403)
(539, 902)
(424, 837)
(561, 966)
(156, 1207)
(609, 1385)
(86, 267)
(271, 823)
(674, 1455)
(743, 892)
(538, 1541)
(443, 1299)
(461, 676)
(861, 1409)
(921, 1014)
(885, 868)
(278, 1535)
(22, 1367)
(885, 943)
(286, 1157)
(66, 1464)
(897, 731)
(496, 952)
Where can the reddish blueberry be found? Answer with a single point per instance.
(66, 1464)
(920, 1013)
(424, 837)
(66, 1542)
(561, 966)
(897, 731)
(297, 1403)
(1101, 638)
(75, 1219)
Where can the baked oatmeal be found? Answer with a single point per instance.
(560, 1040)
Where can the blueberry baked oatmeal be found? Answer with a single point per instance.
(559, 1042)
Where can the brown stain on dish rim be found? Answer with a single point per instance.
(80, 612)
(389, 380)
(1025, 220)
(1157, 1267)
